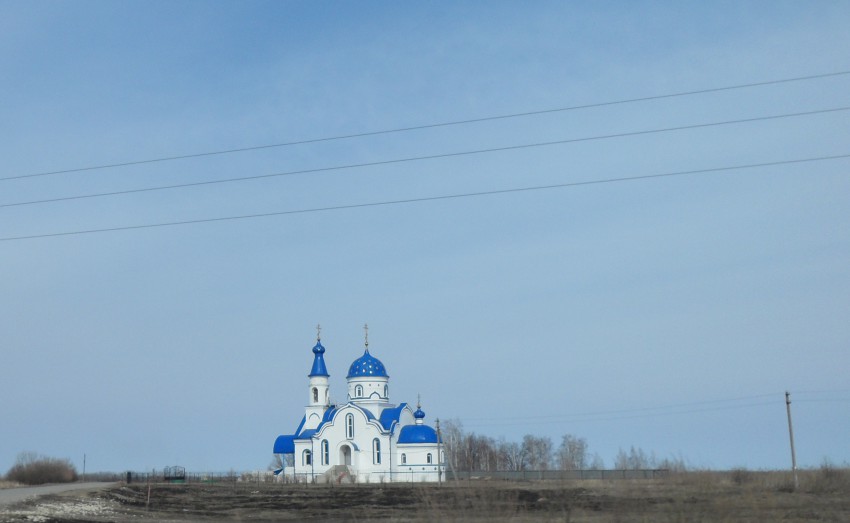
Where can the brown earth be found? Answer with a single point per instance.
(684, 497)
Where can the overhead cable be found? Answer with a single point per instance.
(418, 200)
(430, 126)
(428, 157)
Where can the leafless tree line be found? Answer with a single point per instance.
(473, 452)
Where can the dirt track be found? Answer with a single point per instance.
(9, 496)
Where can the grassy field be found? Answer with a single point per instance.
(823, 495)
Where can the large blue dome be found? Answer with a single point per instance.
(367, 366)
(417, 434)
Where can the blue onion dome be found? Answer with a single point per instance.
(418, 434)
(367, 366)
(319, 368)
(419, 414)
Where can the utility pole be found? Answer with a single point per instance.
(439, 456)
(791, 435)
(84, 467)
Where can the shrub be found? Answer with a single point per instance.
(741, 476)
(830, 478)
(32, 469)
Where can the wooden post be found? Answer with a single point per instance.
(791, 436)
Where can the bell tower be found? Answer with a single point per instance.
(318, 388)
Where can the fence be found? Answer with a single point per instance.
(555, 475)
(447, 475)
(162, 476)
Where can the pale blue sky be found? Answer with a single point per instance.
(586, 310)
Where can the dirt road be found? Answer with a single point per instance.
(14, 495)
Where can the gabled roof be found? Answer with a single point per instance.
(326, 418)
(390, 417)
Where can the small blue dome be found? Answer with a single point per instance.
(319, 368)
(367, 366)
(419, 414)
(417, 434)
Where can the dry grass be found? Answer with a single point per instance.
(823, 495)
(9, 484)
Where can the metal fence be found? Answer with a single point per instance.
(554, 475)
(160, 476)
(447, 476)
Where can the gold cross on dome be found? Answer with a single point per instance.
(366, 331)
(318, 332)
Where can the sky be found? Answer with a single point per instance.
(666, 313)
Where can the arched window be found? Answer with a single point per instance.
(326, 454)
(358, 391)
(404, 459)
(349, 426)
(386, 391)
(376, 451)
(307, 458)
(428, 459)
(315, 395)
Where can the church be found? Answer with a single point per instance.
(365, 440)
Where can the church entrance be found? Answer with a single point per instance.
(345, 455)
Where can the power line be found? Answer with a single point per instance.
(553, 420)
(422, 199)
(428, 157)
(430, 126)
(639, 409)
(642, 412)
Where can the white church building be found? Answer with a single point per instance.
(365, 440)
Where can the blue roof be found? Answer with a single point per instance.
(417, 434)
(319, 368)
(367, 366)
(367, 412)
(389, 417)
(284, 445)
(301, 425)
(329, 414)
(307, 434)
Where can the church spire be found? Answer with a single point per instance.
(366, 335)
(319, 368)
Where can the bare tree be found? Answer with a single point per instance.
(453, 440)
(511, 456)
(538, 451)
(635, 459)
(621, 460)
(597, 463)
(572, 454)
(674, 463)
